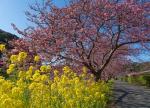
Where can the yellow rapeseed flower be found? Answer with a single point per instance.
(1, 79)
(84, 69)
(31, 68)
(21, 83)
(36, 76)
(48, 68)
(78, 92)
(77, 80)
(66, 69)
(44, 77)
(8, 102)
(4, 96)
(28, 74)
(56, 79)
(97, 94)
(102, 96)
(43, 68)
(12, 66)
(37, 71)
(66, 89)
(2, 47)
(53, 86)
(22, 56)
(71, 102)
(56, 72)
(64, 79)
(16, 91)
(86, 99)
(32, 85)
(83, 75)
(14, 58)
(9, 71)
(36, 58)
(21, 74)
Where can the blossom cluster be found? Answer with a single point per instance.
(44, 87)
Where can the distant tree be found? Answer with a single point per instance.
(99, 34)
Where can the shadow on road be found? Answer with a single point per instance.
(130, 96)
(124, 94)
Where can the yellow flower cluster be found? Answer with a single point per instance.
(11, 68)
(40, 88)
(45, 68)
(18, 58)
(36, 58)
(2, 47)
(22, 56)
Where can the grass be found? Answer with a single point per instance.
(143, 80)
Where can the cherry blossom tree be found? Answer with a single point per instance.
(99, 34)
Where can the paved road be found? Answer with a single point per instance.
(130, 96)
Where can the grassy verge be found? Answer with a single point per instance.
(143, 80)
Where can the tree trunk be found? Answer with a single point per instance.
(97, 76)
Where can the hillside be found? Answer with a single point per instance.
(5, 37)
(138, 67)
